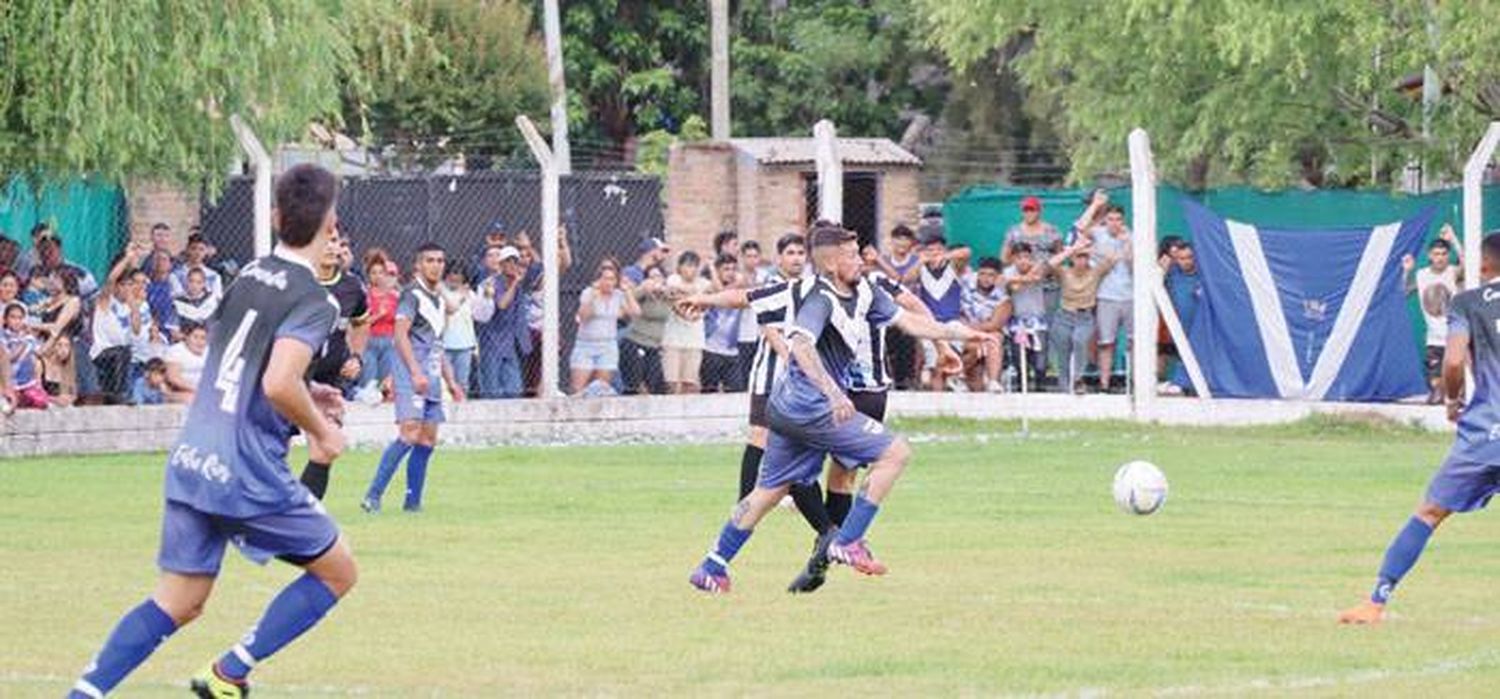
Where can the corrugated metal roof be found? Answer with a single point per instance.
(854, 151)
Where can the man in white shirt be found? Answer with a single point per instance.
(122, 326)
(1435, 286)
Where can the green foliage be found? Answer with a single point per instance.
(1263, 92)
(473, 67)
(857, 63)
(123, 87)
(653, 148)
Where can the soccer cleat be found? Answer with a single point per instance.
(207, 684)
(1365, 612)
(708, 582)
(815, 573)
(856, 555)
(370, 506)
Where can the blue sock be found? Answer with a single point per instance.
(139, 632)
(299, 606)
(731, 538)
(416, 475)
(857, 521)
(1400, 557)
(389, 462)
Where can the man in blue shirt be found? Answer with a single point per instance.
(227, 477)
(1471, 473)
(420, 369)
(811, 415)
(501, 322)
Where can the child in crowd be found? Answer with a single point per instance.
(151, 387)
(380, 350)
(21, 349)
(683, 339)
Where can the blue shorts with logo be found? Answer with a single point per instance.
(795, 450)
(193, 542)
(412, 406)
(1462, 484)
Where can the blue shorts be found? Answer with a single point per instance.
(795, 451)
(192, 542)
(595, 355)
(1463, 485)
(409, 405)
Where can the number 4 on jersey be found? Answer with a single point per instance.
(233, 364)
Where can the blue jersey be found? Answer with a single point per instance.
(1475, 314)
(839, 326)
(424, 308)
(942, 292)
(230, 459)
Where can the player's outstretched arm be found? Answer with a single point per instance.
(288, 394)
(927, 328)
(726, 298)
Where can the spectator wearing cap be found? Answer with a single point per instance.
(941, 290)
(1115, 311)
(502, 323)
(195, 256)
(1032, 230)
(651, 252)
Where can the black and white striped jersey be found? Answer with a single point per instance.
(772, 305)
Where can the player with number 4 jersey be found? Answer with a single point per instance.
(227, 477)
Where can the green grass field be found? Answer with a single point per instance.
(546, 571)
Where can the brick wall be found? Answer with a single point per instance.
(152, 202)
(701, 194)
(781, 202)
(900, 199)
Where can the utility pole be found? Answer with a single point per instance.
(552, 29)
(720, 72)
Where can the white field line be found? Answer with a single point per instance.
(22, 679)
(1359, 677)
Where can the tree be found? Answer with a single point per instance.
(1238, 90)
(138, 87)
(474, 67)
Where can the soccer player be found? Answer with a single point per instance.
(338, 365)
(1471, 473)
(810, 413)
(227, 478)
(421, 367)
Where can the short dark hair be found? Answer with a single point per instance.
(68, 278)
(304, 195)
(1021, 248)
(789, 240)
(159, 225)
(688, 257)
(724, 237)
(198, 271)
(154, 365)
(188, 326)
(726, 259)
(990, 263)
(458, 267)
(1168, 244)
(1114, 209)
(749, 245)
(198, 239)
(429, 246)
(39, 227)
(13, 305)
(1490, 249)
(826, 234)
(1440, 244)
(901, 231)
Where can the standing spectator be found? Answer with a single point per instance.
(683, 339)
(719, 372)
(1075, 319)
(1185, 289)
(941, 291)
(185, 360)
(1092, 216)
(987, 309)
(195, 304)
(753, 273)
(195, 256)
(21, 348)
(1027, 330)
(1032, 230)
(1435, 286)
(502, 323)
(380, 349)
(640, 344)
(459, 337)
(596, 348)
(159, 295)
(1115, 311)
(754, 270)
(651, 252)
(530, 260)
(122, 322)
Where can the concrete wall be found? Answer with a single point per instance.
(701, 194)
(655, 418)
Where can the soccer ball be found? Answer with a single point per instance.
(1140, 488)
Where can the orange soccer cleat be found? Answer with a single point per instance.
(1365, 612)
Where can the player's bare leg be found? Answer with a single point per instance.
(1399, 559)
(849, 546)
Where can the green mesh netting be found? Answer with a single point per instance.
(90, 217)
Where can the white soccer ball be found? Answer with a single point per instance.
(1140, 488)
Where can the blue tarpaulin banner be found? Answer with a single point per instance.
(1305, 314)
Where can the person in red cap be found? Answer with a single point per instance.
(1032, 230)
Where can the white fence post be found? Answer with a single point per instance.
(1146, 274)
(1479, 161)
(551, 351)
(830, 172)
(261, 161)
